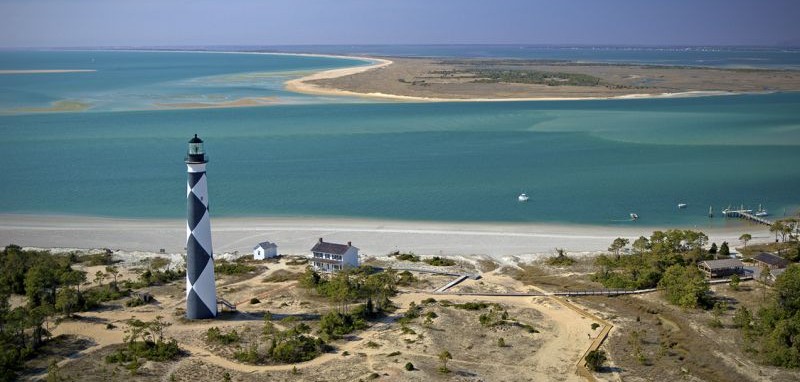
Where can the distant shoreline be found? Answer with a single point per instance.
(44, 71)
(294, 235)
(429, 80)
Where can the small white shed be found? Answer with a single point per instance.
(265, 250)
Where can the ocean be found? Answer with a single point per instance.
(581, 162)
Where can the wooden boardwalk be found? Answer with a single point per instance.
(747, 215)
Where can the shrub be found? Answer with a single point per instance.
(282, 275)
(214, 335)
(224, 267)
(439, 261)
(409, 366)
(393, 354)
(408, 257)
(595, 359)
(254, 300)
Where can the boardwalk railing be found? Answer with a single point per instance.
(226, 304)
(745, 214)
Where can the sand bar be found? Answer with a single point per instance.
(464, 80)
(297, 235)
(45, 71)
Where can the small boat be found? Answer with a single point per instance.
(710, 212)
(761, 212)
(682, 205)
(634, 217)
(523, 197)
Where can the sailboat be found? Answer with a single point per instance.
(761, 212)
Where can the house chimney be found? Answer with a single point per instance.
(320, 240)
(349, 244)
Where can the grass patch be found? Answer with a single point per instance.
(282, 275)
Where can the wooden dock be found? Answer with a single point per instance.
(747, 215)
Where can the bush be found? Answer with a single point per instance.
(224, 267)
(214, 335)
(409, 366)
(334, 325)
(439, 262)
(595, 359)
(282, 275)
(254, 300)
(408, 257)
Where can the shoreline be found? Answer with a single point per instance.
(295, 235)
(302, 85)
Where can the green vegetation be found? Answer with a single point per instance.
(297, 261)
(560, 260)
(774, 330)
(439, 262)
(672, 254)
(145, 340)
(735, 280)
(684, 286)
(724, 250)
(534, 77)
(409, 366)
(595, 360)
(214, 335)
(444, 356)
(289, 346)
(405, 257)
(348, 286)
(51, 287)
(224, 267)
(93, 259)
(282, 275)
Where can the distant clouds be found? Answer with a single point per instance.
(59, 23)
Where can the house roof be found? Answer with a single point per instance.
(266, 245)
(771, 259)
(723, 264)
(777, 272)
(336, 249)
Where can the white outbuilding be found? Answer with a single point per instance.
(265, 250)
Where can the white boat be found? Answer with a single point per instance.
(634, 217)
(523, 197)
(682, 205)
(761, 212)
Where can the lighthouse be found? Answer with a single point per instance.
(201, 294)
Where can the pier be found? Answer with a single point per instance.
(747, 215)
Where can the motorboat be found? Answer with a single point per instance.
(634, 217)
(523, 197)
(682, 205)
(761, 212)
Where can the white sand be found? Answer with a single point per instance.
(45, 71)
(297, 235)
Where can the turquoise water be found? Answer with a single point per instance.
(130, 80)
(588, 162)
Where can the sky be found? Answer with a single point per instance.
(96, 23)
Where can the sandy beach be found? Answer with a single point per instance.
(297, 235)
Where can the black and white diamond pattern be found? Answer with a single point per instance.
(201, 296)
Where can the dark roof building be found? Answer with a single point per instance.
(721, 268)
(333, 248)
(770, 260)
